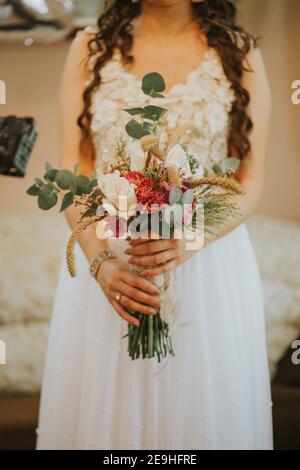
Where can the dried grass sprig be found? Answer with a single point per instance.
(174, 177)
(148, 141)
(94, 198)
(73, 239)
(225, 183)
(158, 153)
(120, 166)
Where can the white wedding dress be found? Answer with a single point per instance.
(215, 392)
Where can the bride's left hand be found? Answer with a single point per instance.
(157, 256)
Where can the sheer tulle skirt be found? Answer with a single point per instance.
(215, 392)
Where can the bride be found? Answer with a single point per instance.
(215, 392)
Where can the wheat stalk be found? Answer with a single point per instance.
(173, 176)
(157, 152)
(225, 183)
(148, 141)
(73, 239)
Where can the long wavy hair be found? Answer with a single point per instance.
(218, 22)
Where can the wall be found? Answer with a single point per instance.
(277, 21)
(33, 73)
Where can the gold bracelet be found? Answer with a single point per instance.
(100, 258)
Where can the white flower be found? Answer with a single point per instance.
(137, 155)
(178, 158)
(118, 191)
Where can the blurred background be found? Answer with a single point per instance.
(35, 36)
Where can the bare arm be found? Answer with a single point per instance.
(252, 169)
(71, 103)
(250, 175)
(137, 293)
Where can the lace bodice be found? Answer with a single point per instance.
(198, 110)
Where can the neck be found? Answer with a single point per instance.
(168, 20)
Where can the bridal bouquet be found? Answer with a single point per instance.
(147, 192)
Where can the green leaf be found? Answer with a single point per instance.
(154, 112)
(188, 197)
(148, 126)
(67, 201)
(39, 182)
(90, 212)
(136, 130)
(230, 165)
(134, 111)
(73, 186)
(76, 166)
(64, 179)
(153, 84)
(50, 175)
(93, 184)
(48, 166)
(83, 185)
(47, 197)
(217, 170)
(34, 190)
(175, 195)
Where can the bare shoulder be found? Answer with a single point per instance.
(256, 74)
(256, 81)
(76, 63)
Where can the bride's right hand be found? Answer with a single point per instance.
(137, 293)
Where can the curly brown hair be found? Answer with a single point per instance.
(217, 20)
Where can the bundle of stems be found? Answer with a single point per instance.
(150, 339)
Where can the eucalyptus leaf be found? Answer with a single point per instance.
(74, 186)
(67, 201)
(157, 95)
(154, 112)
(188, 197)
(39, 182)
(148, 126)
(136, 130)
(134, 111)
(230, 165)
(34, 190)
(140, 224)
(90, 212)
(217, 170)
(64, 179)
(48, 166)
(153, 84)
(175, 195)
(93, 184)
(47, 197)
(83, 185)
(50, 175)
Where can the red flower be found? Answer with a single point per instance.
(148, 191)
(134, 177)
